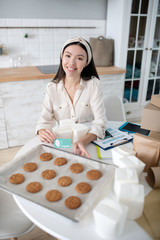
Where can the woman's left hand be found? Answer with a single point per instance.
(79, 149)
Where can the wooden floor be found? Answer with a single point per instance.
(7, 155)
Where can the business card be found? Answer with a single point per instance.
(62, 143)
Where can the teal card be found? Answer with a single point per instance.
(62, 143)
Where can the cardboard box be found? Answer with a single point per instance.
(151, 118)
(155, 100)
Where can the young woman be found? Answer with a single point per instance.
(74, 93)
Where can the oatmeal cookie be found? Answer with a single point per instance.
(76, 168)
(83, 187)
(34, 187)
(46, 156)
(48, 174)
(73, 202)
(17, 178)
(53, 195)
(60, 161)
(94, 174)
(30, 167)
(65, 181)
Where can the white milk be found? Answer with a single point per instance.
(132, 162)
(132, 195)
(121, 151)
(123, 176)
(110, 217)
(79, 130)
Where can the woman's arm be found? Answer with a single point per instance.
(98, 109)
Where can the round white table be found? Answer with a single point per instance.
(64, 228)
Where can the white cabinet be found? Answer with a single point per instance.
(112, 84)
(135, 27)
(20, 108)
(3, 135)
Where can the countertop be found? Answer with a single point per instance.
(33, 73)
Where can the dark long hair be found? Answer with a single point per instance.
(87, 72)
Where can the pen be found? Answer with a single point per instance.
(119, 140)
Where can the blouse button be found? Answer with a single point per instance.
(60, 107)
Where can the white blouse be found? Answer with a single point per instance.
(87, 106)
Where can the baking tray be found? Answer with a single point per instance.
(88, 200)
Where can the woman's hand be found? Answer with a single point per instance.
(80, 145)
(46, 135)
(79, 149)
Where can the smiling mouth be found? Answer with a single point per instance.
(71, 69)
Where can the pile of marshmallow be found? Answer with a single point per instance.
(67, 128)
(110, 214)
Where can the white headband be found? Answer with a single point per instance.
(82, 41)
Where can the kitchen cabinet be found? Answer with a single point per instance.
(3, 134)
(135, 27)
(20, 109)
(112, 84)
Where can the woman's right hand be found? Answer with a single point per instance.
(46, 135)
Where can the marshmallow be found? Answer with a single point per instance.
(132, 162)
(79, 130)
(123, 176)
(69, 129)
(121, 151)
(62, 132)
(132, 195)
(110, 217)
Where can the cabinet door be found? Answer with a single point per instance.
(152, 71)
(136, 49)
(143, 63)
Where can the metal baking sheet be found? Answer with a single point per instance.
(88, 200)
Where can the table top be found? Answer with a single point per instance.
(64, 228)
(33, 73)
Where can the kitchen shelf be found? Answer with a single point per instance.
(67, 27)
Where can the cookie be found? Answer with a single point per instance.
(76, 168)
(30, 167)
(48, 174)
(53, 195)
(94, 174)
(73, 202)
(83, 187)
(17, 178)
(60, 161)
(64, 181)
(34, 187)
(46, 156)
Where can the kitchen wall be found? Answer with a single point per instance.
(42, 47)
(48, 24)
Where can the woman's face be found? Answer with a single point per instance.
(74, 59)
